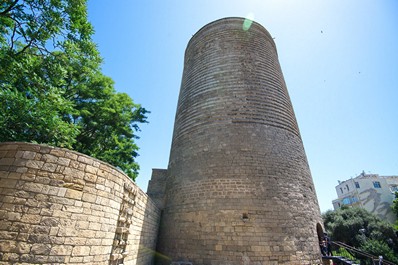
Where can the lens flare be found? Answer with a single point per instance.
(248, 21)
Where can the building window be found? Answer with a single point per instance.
(357, 185)
(346, 201)
(394, 188)
(341, 190)
(376, 184)
(348, 188)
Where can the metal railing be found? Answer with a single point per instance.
(361, 255)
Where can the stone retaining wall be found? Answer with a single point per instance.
(58, 206)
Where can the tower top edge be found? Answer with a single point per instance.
(232, 20)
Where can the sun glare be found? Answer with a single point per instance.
(248, 21)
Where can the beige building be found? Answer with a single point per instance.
(369, 191)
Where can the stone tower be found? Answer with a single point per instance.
(238, 188)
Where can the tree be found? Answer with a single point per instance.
(394, 207)
(52, 89)
(362, 229)
(377, 247)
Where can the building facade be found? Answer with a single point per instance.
(368, 191)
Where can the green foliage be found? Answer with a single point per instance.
(379, 248)
(23, 119)
(344, 253)
(52, 89)
(394, 207)
(363, 230)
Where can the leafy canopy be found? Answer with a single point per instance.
(394, 207)
(52, 89)
(364, 230)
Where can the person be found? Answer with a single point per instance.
(328, 244)
(323, 246)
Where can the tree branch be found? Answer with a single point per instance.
(12, 37)
(25, 48)
(8, 9)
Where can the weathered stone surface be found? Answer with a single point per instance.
(74, 192)
(50, 221)
(40, 249)
(80, 250)
(52, 211)
(237, 171)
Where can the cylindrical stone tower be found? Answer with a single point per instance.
(239, 188)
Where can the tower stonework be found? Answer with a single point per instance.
(238, 189)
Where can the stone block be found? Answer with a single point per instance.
(8, 183)
(6, 161)
(22, 201)
(71, 156)
(94, 242)
(57, 152)
(33, 187)
(90, 177)
(80, 251)
(23, 248)
(74, 194)
(67, 232)
(76, 241)
(76, 260)
(58, 259)
(85, 160)
(40, 229)
(82, 225)
(77, 165)
(88, 259)
(11, 257)
(8, 246)
(59, 191)
(7, 199)
(30, 218)
(50, 167)
(28, 258)
(95, 226)
(6, 235)
(54, 231)
(37, 238)
(62, 250)
(23, 234)
(40, 249)
(100, 250)
(15, 175)
(73, 173)
(63, 161)
(34, 164)
(91, 169)
(50, 158)
(87, 197)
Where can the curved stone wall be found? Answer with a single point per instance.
(62, 207)
(239, 188)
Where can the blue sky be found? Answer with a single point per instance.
(339, 59)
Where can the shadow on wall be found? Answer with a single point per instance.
(145, 230)
(60, 206)
(373, 203)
